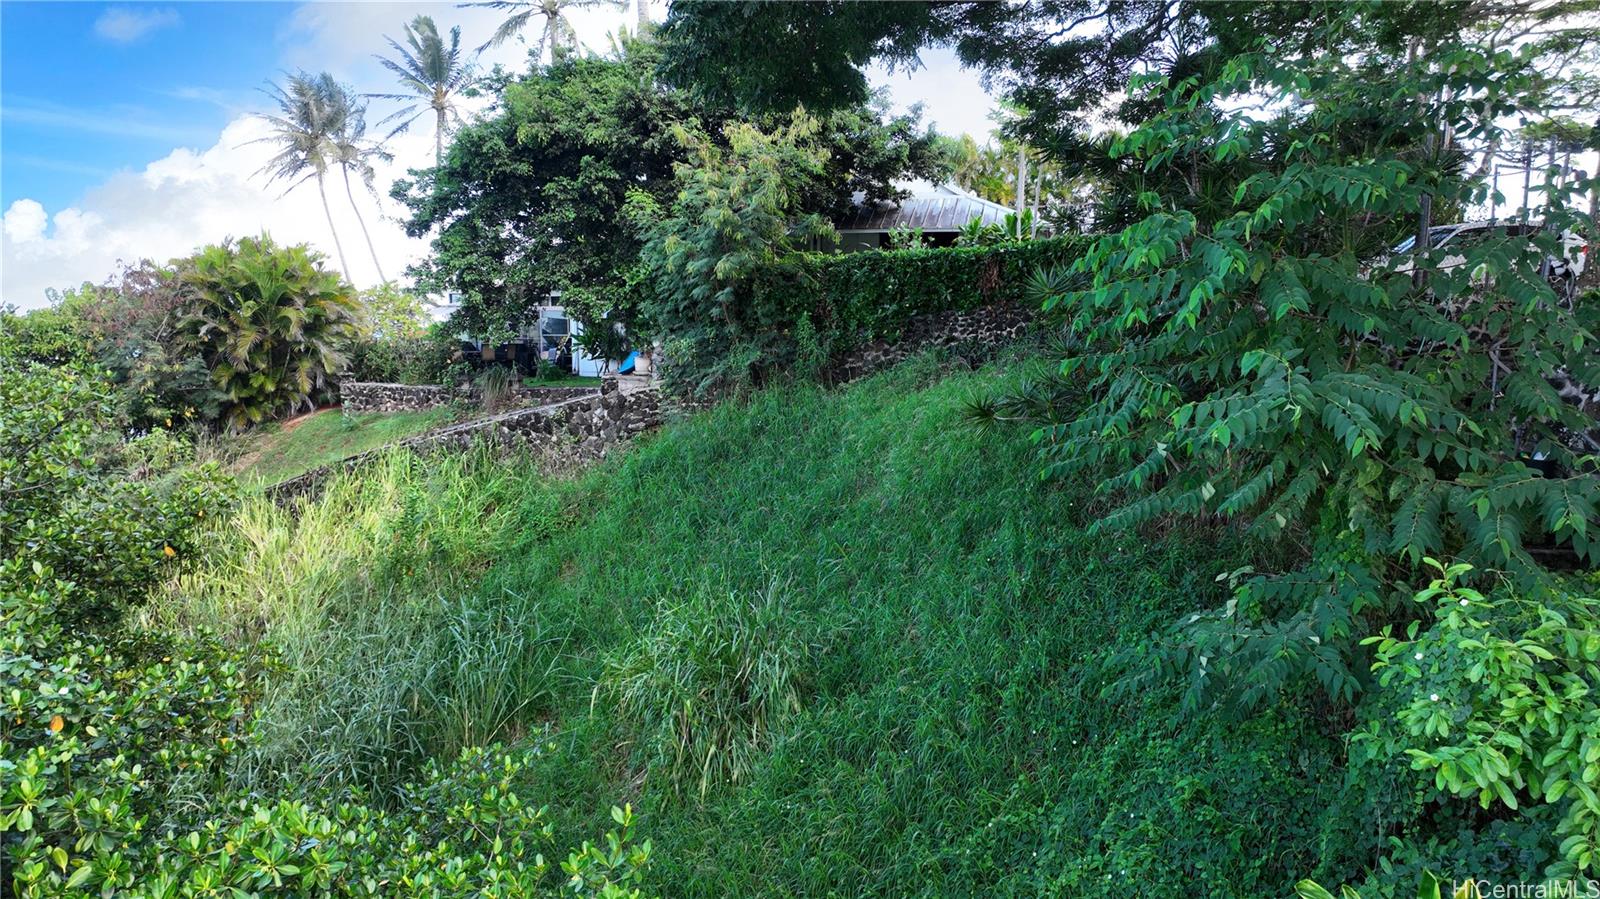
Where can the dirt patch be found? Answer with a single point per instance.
(248, 460)
(298, 420)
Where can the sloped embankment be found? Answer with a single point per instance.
(828, 643)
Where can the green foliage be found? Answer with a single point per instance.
(271, 324)
(49, 336)
(737, 215)
(123, 745)
(1256, 358)
(389, 312)
(360, 592)
(128, 328)
(423, 359)
(71, 507)
(944, 620)
(529, 199)
(605, 340)
(1015, 228)
(1493, 700)
(855, 298)
(708, 685)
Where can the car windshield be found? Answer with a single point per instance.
(1437, 237)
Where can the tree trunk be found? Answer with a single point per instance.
(438, 138)
(644, 14)
(361, 220)
(344, 267)
(1022, 183)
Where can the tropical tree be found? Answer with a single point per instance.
(558, 30)
(432, 73)
(270, 322)
(308, 117)
(354, 151)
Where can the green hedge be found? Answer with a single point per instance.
(857, 297)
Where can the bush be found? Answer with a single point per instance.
(1493, 701)
(424, 359)
(121, 745)
(271, 323)
(854, 298)
(808, 307)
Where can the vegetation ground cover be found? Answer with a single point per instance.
(825, 642)
(279, 451)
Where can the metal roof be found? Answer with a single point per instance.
(944, 211)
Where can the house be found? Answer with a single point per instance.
(938, 211)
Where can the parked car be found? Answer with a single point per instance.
(1563, 270)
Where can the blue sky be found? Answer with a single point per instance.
(126, 129)
(78, 103)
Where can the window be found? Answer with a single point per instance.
(553, 328)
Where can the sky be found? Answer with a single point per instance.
(127, 129)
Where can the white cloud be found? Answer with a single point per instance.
(124, 25)
(192, 197)
(25, 221)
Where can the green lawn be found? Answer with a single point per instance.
(281, 450)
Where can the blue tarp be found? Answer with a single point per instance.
(627, 365)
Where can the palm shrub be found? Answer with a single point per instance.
(271, 322)
(1246, 352)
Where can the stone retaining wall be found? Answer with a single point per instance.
(984, 330)
(366, 396)
(572, 430)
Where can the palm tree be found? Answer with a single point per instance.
(353, 151)
(307, 119)
(270, 323)
(558, 31)
(433, 75)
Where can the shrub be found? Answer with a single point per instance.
(854, 298)
(1493, 701)
(271, 324)
(70, 507)
(120, 745)
(1258, 358)
(812, 308)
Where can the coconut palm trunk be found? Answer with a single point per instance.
(344, 266)
(438, 137)
(361, 220)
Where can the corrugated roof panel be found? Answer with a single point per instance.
(935, 213)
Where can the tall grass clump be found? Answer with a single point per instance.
(360, 596)
(706, 687)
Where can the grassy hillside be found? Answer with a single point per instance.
(281, 450)
(827, 643)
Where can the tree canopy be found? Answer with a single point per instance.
(530, 199)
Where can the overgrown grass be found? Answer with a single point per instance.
(281, 450)
(830, 643)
